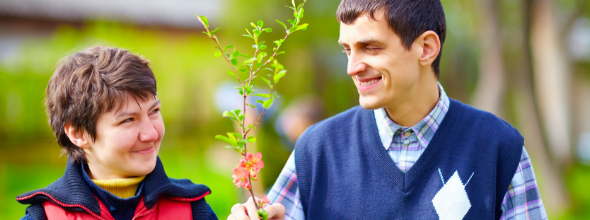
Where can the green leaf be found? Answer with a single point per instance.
(253, 25)
(261, 55)
(248, 90)
(217, 53)
(231, 73)
(250, 105)
(228, 47)
(234, 61)
(263, 95)
(213, 31)
(256, 32)
(237, 111)
(227, 140)
(203, 20)
(291, 22)
(260, 23)
(251, 60)
(244, 55)
(228, 114)
(267, 81)
(268, 30)
(235, 54)
(250, 127)
(267, 103)
(245, 35)
(281, 52)
(279, 75)
(232, 138)
(301, 27)
(251, 139)
(300, 14)
(283, 24)
(263, 47)
(237, 135)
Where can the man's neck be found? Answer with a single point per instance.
(418, 105)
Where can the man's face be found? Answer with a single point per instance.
(384, 72)
(127, 141)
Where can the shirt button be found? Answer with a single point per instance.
(408, 133)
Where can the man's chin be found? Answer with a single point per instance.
(370, 103)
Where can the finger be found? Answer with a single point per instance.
(251, 208)
(238, 212)
(276, 211)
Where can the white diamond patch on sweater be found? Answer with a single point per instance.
(451, 202)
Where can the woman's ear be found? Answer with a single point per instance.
(76, 136)
(430, 45)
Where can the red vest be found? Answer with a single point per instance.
(165, 208)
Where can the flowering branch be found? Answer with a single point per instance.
(248, 167)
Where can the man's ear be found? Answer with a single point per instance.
(76, 136)
(430, 45)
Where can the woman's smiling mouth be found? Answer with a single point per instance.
(147, 150)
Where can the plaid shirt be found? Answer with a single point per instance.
(405, 145)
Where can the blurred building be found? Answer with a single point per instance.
(24, 19)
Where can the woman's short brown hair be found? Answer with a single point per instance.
(89, 83)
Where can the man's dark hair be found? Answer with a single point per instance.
(89, 83)
(407, 18)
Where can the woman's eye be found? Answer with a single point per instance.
(126, 120)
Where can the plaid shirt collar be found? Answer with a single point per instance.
(424, 129)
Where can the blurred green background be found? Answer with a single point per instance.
(527, 61)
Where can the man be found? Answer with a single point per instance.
(410, 152)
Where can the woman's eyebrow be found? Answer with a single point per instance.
(126, 114)
(157, 102)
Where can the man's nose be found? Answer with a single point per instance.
(148, 132)
(356, 65)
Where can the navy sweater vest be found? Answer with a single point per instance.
(344, 172)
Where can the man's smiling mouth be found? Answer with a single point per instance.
(366, 84)
(371, 82)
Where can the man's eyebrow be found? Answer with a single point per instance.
(363, 42)
(342, 44)
(370, 41)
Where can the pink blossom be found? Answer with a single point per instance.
(263, 201)
(247, 168)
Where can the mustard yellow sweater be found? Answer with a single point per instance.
(123, 188)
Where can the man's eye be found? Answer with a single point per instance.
(156, 110)
(346, 51)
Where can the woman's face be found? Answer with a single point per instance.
(127, 141)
